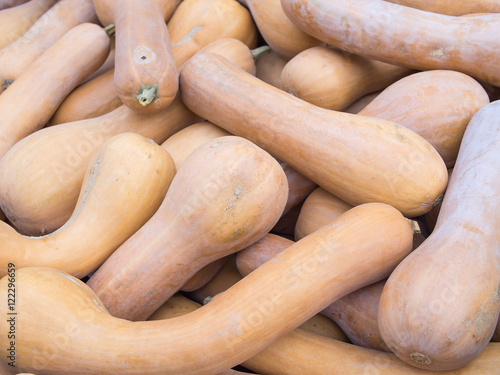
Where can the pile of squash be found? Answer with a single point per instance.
(254, 186)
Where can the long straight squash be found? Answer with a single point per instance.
(404, 36)
(357, 158)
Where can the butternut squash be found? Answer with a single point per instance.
(99, 96)
(181, 144)
(440, 306)
(59, 155)
(355, 313)
(399, 167)
(15, 21)
(269, 66)
(235, 325)
(452, 8)
(197, 23)
(464, 44)
(124, 185)
(228, 181)
(91, 99)
(334, 79)
(45, 84)
(319, 208)
(277, 30)
(437, 104)
(145, 75)
(301, 352)
(48, 29)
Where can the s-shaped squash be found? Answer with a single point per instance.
(79, 336)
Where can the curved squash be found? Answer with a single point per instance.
(43, 87)
(124, 185)
(203, 276)
(451, 7)
(292, 355)
(145, 74)
(437, 104)
(399, 167)
(334, 79)
(361, 103)
(235, 325)
(277, 30)
(15, 21)
(440, 306)
(355, 313)
(47, 30)
(228, 181)
(58, 156)
(464, 44)
(197, 23)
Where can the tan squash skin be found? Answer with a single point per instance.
(277, 30)
(319, 208)
(15, 21)
(436, 104)
(89, 100)
(355, 313)
(361, 103)
(124, 185)
(45, 84)
(4, 4)
(145, 74)
(197, 23)
(99, 96)
(301, 352)
(226, 195)
(48, 29)
(181, 144)
(227, 276)
(464, 44)
(106, 65)
(440, 306)
(269, 67)
(292, 354)
(452, 7)
(334, 79)
(235, 325)
(59, 155)
(299, 187)
(203, 276)
(398, 166)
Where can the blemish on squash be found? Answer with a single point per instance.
(436, 53)
(6, 83)
(420, 358)
(238, 191)
(143, 55)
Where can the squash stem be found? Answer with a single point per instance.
(414, 226)
(110, 29)
(147, 93)
(257, 52)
